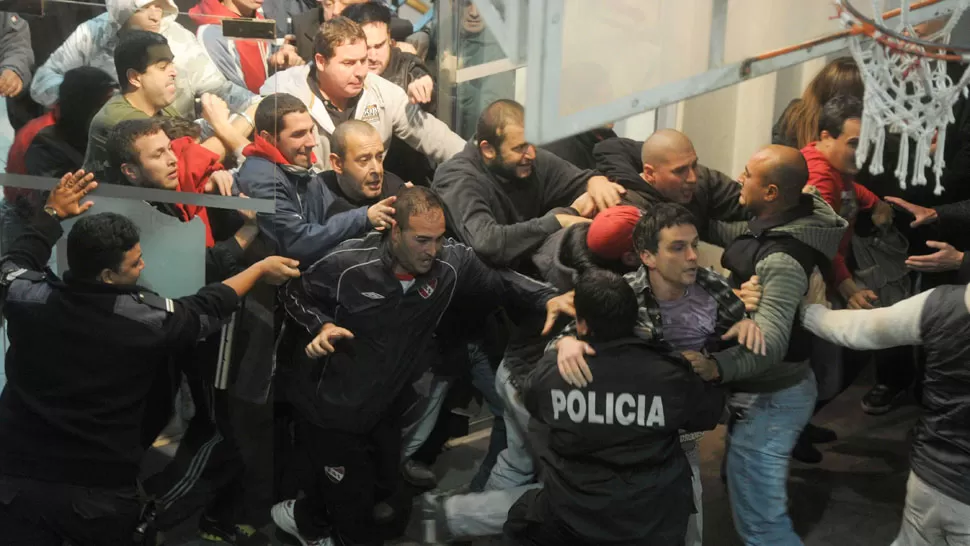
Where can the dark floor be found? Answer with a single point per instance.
(855, 496)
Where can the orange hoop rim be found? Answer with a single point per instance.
(897, 41)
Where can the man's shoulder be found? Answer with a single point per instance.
(459, 170)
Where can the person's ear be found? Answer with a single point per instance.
(337, 163)
(106, 276)
(131, 172)
(649, 173)
(134, 78)
(488, 151)
(264, 134)
(648, 259)
(772, 193)
(320, 62)
(581, 327)
(825, 135)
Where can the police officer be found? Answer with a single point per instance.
(612, 465)
(84, 353)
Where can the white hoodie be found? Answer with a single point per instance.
(93, 44)
(382, 104)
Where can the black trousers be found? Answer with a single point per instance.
(351, 473)
(36, 513)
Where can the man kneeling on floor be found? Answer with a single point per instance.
(611, 460)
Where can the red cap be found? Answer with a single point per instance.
(611, 233)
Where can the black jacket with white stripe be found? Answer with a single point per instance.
(355, 288)
(83, 360)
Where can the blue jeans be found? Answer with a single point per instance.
(759, 451)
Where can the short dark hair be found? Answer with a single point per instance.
(99, 242)
(836, 111)
(607, 304)
(495, 118)
(272, 109)
(121, 140)
(179, 127)
(133, 52)
(335, 33)
(368, 13)
(415, 200)
(646, 234)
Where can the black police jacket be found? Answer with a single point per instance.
(355, 288)
(82, 363)
(611, 461)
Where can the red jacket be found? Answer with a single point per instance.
(845, 196)
(18, 151)
(251, 53)
(196, 164)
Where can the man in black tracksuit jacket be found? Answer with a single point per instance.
(714, 195)
(611, 462)
(382, 296)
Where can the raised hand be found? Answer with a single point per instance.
(65, 198)
(921, 215)
(381, 214)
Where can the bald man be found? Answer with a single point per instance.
(664, 169)
(789, 235)
(358, 178)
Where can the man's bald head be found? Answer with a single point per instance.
(786, 168)
(773, 180)
(663, 144)
(347, 130)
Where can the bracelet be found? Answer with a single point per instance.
(52, 212)
(248, 119)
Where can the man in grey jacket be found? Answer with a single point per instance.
(504, 196)
(337, 87)
(774, 392)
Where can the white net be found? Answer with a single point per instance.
(906, 92)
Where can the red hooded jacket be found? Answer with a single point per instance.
(251, 53)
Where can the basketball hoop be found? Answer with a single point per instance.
(907, 86)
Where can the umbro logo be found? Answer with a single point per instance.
(372, 295)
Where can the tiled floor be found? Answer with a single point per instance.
(854, 496)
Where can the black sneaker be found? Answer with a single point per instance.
(881, 399)
(818, 435)
(418, 475)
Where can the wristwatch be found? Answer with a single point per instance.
(53, 212)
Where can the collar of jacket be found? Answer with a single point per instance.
(262, 148)
(758, 226)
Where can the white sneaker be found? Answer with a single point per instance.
(282, 514)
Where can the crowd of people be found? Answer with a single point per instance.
(404, 269)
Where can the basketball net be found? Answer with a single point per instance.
(907, 90)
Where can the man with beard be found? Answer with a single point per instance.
(358, 178)
(664, 169)
(504, 196)
(361, 326)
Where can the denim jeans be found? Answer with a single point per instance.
(483, 379)
(758, 454)
(932, 518)
(514, 466)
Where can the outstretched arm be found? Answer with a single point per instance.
(868, 329)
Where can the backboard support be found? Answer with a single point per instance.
(734, 51)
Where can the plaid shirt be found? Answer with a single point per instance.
(730, 310)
